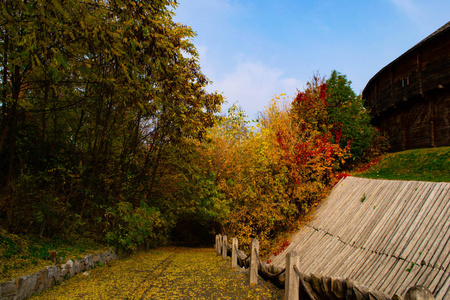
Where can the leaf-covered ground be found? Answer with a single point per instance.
(165, 273)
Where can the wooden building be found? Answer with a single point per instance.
(409, 99)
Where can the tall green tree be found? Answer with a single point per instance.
(94, 97)
(348, 114)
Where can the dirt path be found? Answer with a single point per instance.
(166, 273)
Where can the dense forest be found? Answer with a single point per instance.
(107, 131)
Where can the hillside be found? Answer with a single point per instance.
(430, 164)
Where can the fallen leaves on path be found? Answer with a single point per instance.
(165, 273)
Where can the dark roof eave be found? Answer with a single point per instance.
(435, 34)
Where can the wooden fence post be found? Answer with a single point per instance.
(234, 249)
(291, 284)
(254, 255)
(219, 248)
(224, 247)
(217, 244)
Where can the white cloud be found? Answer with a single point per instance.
(291, 85)
(408, 7)
(253, 85)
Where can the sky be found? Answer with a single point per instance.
(252, 50)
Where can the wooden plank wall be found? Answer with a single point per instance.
(409, 99)
(388, 235)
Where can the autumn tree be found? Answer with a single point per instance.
(95, 97)
(347, 111)
(271, 176)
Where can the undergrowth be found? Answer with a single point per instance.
(23, 255)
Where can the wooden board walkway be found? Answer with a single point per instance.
(386, 234)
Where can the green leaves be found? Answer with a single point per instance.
(104, 93)
(128, 227)
(346, 108)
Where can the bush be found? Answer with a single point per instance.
(129, 227)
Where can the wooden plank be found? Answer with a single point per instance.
(358, 274)
(415, 229)
(341, 212)
(442, 287)
(299, 240)
(373, 215)
(395, 273)
(409, 281)
(388, 220)
(336, 203)
(343, 261)
(359, 215)
(405, 219)
(384, 212)
(333, 257)
(446, 296)
(401, 276)
(434, 285)
(359, 263)
(440, 244)
(414, 207)
(441, 257)
(335, 215)
(304, 249)
(336, 199)
(430, 224)
(428, 279)
(346, 270)
(428, 272)
(315, 253)
(431, 241)
(376, 269)
(394, 222)
(382, 276)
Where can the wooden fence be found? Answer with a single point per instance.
(301, 286)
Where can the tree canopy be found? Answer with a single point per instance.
(96, 99)
(106, 129)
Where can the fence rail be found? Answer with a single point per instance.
(301, 286)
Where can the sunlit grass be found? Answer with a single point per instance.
(431, 164)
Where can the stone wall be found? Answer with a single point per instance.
(28, 285)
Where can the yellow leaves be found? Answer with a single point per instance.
(165, 273)
(115, 52)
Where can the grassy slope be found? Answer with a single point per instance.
(431, 164)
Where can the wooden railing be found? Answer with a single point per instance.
(301, 286)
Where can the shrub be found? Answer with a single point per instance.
(129, 227)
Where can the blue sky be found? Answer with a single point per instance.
(255, 49)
